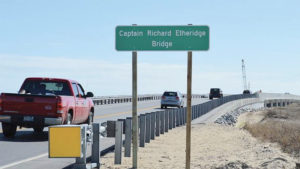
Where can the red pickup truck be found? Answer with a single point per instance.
(43, 102)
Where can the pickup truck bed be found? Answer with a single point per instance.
(30, 110)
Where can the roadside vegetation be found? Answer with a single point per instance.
(279, 125)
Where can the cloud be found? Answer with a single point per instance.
(107, 78)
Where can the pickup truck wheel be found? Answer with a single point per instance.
(90, 118)
(38, 129)
(9, 130)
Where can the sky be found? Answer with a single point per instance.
(76, 40)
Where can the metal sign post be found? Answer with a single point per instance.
(189, 108)
(135, 133)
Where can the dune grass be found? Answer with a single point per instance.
(280, 125)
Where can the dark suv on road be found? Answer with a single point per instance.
(246, 92)
(215, 93)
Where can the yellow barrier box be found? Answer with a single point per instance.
(65, 141)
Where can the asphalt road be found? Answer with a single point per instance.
(26, 146)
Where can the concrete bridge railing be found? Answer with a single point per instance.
(279, 102)
(127, 99)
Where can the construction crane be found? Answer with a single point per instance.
(244, 75)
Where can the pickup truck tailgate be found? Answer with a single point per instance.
(36, 105)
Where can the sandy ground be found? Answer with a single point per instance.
(213, 146)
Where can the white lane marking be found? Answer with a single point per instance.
(23, 161)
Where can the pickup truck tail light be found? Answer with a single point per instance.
(163, 97)
(177, 98)
(59, 105)
(0, 104)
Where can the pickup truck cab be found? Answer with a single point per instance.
(43, 102)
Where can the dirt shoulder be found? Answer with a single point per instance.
(213, 146)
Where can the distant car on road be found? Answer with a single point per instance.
(246, 92)
(172, 99)
(215, 93)
(44, 102)
(204, 96)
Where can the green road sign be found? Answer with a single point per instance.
(176, 38)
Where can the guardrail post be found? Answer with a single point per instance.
(174, 118)
(162, 122)
(184, 117)
(118, 142)
(274, 104)
(181, 116)
(193, 112)
(200, 109)
(153, 125)
(148, 125)
(170, 119)
(166, 121)
(96, 145)
(111, 125)
(177, 117)
(81, 162)
(142, 130)
(157, 123)
(123, 120)
(196, 111)
(128, 136)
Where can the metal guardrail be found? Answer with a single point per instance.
(127, 99)
(151, 125)
(154, 124)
